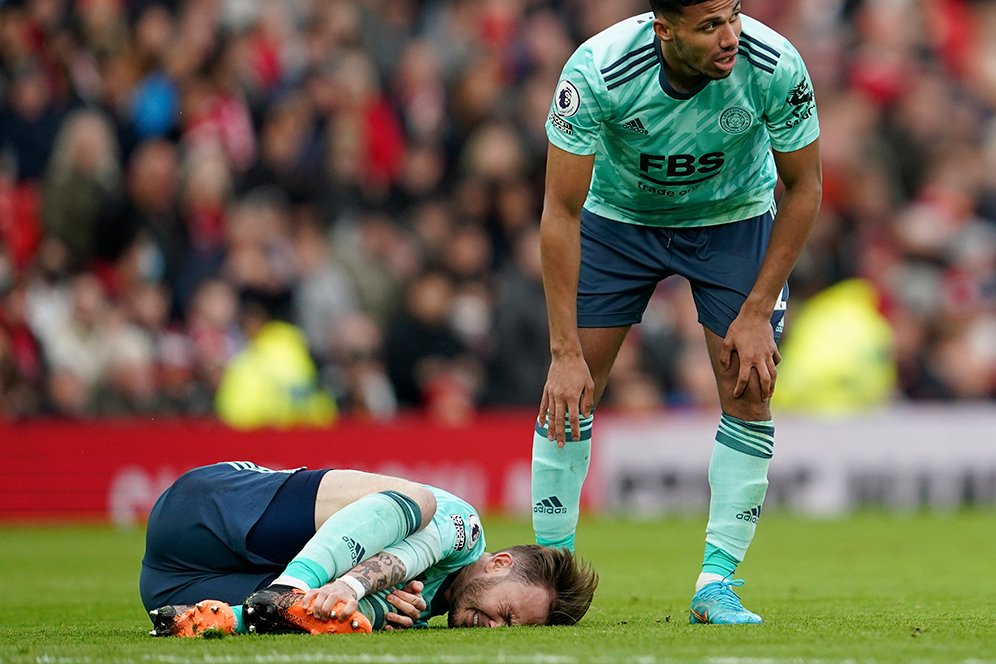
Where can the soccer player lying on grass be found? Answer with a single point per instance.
(234, 547)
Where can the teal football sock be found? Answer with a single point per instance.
(240, 627)
(738, 480)
(557, 477)
(376, 608)
(719, 562)
(351, 535)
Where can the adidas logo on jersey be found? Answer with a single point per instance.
(551, 505)
(636, 125)
(356, 549)
(752, 515)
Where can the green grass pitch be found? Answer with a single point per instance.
(869, 588)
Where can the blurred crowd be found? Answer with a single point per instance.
(184, 183)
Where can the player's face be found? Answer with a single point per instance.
(485, 602)
(701, 42)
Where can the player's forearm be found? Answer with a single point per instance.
(560, 248)
(796, 213)
(378, 572)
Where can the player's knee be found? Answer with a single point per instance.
(748, 412)
(750, 406)
(426, 502)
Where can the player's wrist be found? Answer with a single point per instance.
(354, 585)
(566, 350)
(757, 308)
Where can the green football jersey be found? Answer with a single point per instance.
(674, 159)
(452, 540)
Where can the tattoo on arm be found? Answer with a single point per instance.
(379, 572)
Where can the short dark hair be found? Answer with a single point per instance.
(572, 581)
(671, 7)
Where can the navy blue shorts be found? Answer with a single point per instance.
(621, 265)
(224, 531)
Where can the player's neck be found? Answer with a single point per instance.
(677, 77)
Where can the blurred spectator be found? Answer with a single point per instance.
(467, 256)
(356, 373)
(373, 172)
(364, 136)
(147, 306)
(419, 88)
(213, 329)
(324, 295)
(381, 256)
(20, 228)
(258, 247)
(272, 382)
(79, 350)
(205, 187)
(30, 118)
(82, 181)
(214, 110)
(154, 108)
(145, 221)
(129, 385)
(839, 355)
(289, 151)
(522, 353)
(22, 369)
(427, 361)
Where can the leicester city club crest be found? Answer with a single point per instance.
(735, 120)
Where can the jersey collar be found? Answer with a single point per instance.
(439, 605)
(668, 89)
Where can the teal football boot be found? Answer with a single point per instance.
(717, 604)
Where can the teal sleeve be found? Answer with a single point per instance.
(420, 551)
(791, 107)
(576, 111)
(461, 534)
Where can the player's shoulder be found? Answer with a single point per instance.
(458, 522)
(627, 46)
(763, 47)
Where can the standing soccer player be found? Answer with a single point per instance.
(668, 132)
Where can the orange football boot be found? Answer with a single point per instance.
(208, 618)
(280, 609)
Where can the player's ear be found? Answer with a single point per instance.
(663, 29)
(499, 561)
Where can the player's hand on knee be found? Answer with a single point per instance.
(323, 601)
(753, 343)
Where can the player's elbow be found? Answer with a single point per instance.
(806, 190)
(558, 210)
